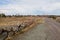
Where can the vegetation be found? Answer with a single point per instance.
(2, 15)
(58, 19)
(54, 17)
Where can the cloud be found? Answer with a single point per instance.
(28, 7)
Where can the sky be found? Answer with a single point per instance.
(30, 7)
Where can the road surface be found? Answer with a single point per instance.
(49, 30)
(54, 27)
(36, 33)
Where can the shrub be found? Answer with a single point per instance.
(2, 15)
(54, 17)
(58, 20)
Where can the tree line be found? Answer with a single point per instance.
(50, 16)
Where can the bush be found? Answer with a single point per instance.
(54, 17)
(58, 20)
(2, 15)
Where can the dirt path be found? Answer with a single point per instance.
(49, 30)
(36, 33)
(54, 27)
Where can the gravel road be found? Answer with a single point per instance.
(54, 28)
(37, 33)
(49, 30)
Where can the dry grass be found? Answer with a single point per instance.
(16, 20)
(58, 19)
